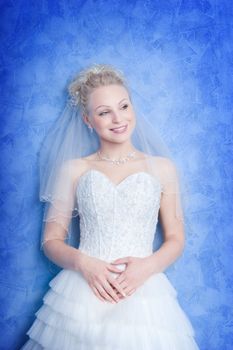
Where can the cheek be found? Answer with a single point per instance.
(100, 123)
(132, 115)
(132, 118)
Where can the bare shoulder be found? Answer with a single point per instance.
(75, 166)
(164, 164)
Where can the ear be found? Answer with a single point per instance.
(85, 119)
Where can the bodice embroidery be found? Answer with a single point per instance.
(117, 220)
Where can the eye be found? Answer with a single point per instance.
(125, 106)
(103, 113)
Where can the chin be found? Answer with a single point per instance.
(119, 138)
(115, 140)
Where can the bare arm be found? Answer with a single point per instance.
(173, 230)
(59, 216)
(59, 252)
(169, 251)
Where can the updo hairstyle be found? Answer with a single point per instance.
(92, 77)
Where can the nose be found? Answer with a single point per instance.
(116, 116)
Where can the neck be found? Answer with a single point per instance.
(116, 150)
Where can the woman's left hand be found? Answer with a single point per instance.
(136, 272)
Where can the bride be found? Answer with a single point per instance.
(119, 192)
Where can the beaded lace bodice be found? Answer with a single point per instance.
(117, 220)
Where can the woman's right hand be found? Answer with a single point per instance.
(98, 275)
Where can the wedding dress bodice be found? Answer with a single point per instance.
(117, 220)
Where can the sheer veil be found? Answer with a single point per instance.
(70, 139)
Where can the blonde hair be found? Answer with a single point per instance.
(92, 77)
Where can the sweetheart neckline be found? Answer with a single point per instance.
(116, 186)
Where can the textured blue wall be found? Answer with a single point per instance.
(178, 56)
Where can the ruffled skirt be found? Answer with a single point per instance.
(73, 318)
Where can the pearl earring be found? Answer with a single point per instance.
(90, 127)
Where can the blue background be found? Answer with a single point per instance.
(178, 56)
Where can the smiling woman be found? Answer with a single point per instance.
(104, 163)
(119, 117)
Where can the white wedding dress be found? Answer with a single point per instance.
(115, 221)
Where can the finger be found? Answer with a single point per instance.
(119, 294)
(123, 284)
(128, 289)
(118, 287)
(104, 293)
(96, 292)
(121, 261)
(131, 291)
(107, 286)
(114, 269)
(121, 278)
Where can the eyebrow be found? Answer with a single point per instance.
(109, 106)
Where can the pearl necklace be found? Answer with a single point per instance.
(118, 161)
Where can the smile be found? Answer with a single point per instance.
(120, 129)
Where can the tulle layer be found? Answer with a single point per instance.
(73, 318)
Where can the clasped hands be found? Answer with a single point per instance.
(98, 274)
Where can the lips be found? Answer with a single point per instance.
(119, 128)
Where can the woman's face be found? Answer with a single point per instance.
(110, 108)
